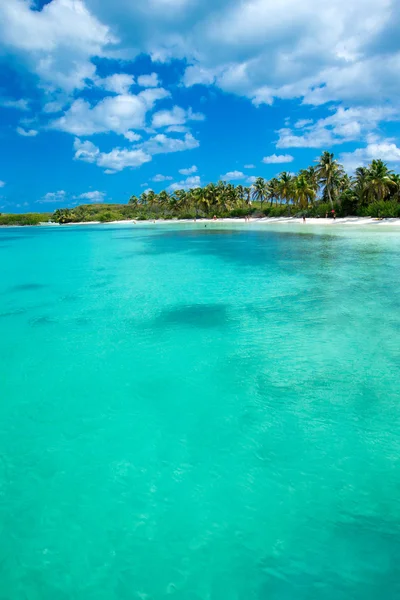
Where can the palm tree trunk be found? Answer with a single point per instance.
(329, 196)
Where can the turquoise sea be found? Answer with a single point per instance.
(199, 413)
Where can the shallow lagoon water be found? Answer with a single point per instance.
(199, 413)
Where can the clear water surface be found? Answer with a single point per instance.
(199, 413)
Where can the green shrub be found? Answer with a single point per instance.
(239, 212)
(108, 216)
(383, 209)
(24, 219)
(279, 211)
(320, 210)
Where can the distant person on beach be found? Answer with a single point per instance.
(326, 215)
(304, 219)
(333, 214)
(214, 217)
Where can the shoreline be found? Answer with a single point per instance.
(263, 221)
(348, 221)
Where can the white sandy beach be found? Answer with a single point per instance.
(348, 221)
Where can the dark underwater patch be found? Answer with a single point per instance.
(43, 320)
(27, 287)
(194, 315)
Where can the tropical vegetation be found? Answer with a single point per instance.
(24, 219)
(321, 190)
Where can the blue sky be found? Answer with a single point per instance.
(101, 100)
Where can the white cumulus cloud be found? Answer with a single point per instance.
(385, 150)
(121, 158)
(118, 114)
(232, 175)
(57, 42)
(188, 171)
(148, 80)
(20, 104)
(276, 159)
(343, 125)
(190, 182)
(115, 160)
(158, 178)
(175, 117)
(161, 143)
(26, 132)
(52, 197)
(120, 83)
(92, 196)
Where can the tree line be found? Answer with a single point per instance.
(317, 191)
(320, 190)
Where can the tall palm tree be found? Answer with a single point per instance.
(163, 199)
(247, 196)
(359, 184)
(311, 174)
(201, 199)
(273, 190)
(260, 190)
(180, 200)
(143, 198)
(303, 191)
(152, 199)
(329, 172)
(133, 200)
(211, 193)
(379, 180)
(240, 193)
(285, 186)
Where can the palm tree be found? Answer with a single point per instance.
(240, 193)
(133, 200)
(329, 172)
(311, 174)
(152, 199)
(285, 186)
(273, 190)
(143, 198)
(359, 184)
(163, 199)
(260, 190)
(200, 199)
(229, 197)
(395, 191)
(303, 191)
(62, 215)
(211, 194)
(180, 200)
(247, 196)
(379, 180)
